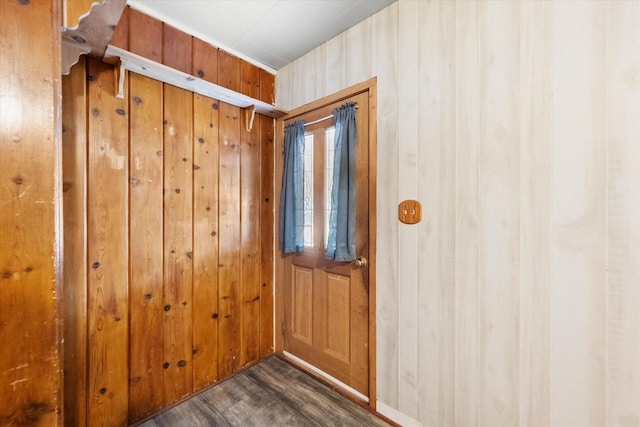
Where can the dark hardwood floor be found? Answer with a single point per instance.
(271, 393)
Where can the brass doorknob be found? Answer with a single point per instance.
(360, 262)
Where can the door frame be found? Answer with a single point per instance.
(366, 86)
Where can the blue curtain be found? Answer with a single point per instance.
(292, 195)
(341, 245)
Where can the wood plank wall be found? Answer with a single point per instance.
(30, 214)
(179, 230)
(74, 9)
(516, 300)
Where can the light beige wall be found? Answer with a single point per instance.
(517, 124)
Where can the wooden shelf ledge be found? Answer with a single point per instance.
(92, 34)
(146, 67)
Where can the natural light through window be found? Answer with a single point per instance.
(308, 189)
(328, 143)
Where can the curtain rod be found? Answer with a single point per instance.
(321, 120)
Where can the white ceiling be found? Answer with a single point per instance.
(271, 33)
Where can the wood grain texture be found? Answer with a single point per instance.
(74, 165)
(579, 215)
(228, 71)
(107, 254)
(146, 227)
(267, 234)
(176, 49)
(623, 213)
(205, 61)
(205, 241)
(385, 41)
(145, 36)
(120, 36)
(536, 139)
(467, 215)
(249, 297)
(178, 243)
(407, 189)
(74, 9)
(267, 87)
(542, 160)
(229, 240)
(249, 79)
(436, 188)
(31, 221)
(358, 45)
(498, 159)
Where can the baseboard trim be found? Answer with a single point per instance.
(326, 376)
(396, 416)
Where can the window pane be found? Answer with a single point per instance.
(308, 189)
(328, 174)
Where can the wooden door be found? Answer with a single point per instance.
(326, 303)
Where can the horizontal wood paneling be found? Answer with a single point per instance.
(511, 303)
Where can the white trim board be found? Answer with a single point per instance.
(326, 376)
(396, 416)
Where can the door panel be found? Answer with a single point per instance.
(301, 309)
(326, 303)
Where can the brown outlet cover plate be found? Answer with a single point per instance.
(410, 212)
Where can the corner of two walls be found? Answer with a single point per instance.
(514, 123)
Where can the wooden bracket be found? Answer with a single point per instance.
(120, 72)
(249, 115)
(92, 34)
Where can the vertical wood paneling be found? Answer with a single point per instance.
(544, 311)
(145, 247)
(178, 242)
(249, 79)
(153, 214)
(579, 224)
(229, 240)
(436, 188)
(107, 254)
(205, 241)
(305, 82)
(335, 65)
(467, 215)
(249, 244)
(385, 42)
(536, 51)
(145, 34)
(228, 71)
(30, 222)
(205, 61)
(267, 227)
(498, 159)
(267, 87)
(74, 165)
(176, 48)
(120, 36)
(358, 53)
(408, 189)
(623, 243)
(321, 70)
